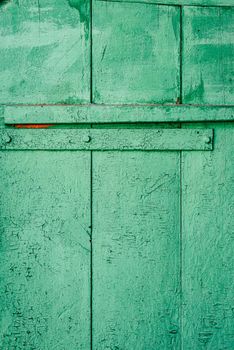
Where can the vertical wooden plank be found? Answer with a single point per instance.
(131, 43)
(45, 250)
(208, 55)
(208, 242)
(44, 51)
(135, 250)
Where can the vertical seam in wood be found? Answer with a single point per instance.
(181, 206)
(181, 257)
(91, 51)
(181, 54)
(91, 250)
(91, 181)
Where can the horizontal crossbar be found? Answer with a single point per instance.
(106, 139)
(60, 114)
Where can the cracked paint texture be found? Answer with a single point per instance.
(44, 52)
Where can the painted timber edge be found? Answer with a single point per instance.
(106, 139)
(69, 114)
(203, 3)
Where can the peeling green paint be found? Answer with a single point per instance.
(196, 92)
(83, 8)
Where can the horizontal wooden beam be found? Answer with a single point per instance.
(106, 139)
(204, 3)
(60, 114)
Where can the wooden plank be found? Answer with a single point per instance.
(106, 139)
(44, 51)
(130, 47)
(136, 250)
(208, 55)
(115, 114)
(45, 250)
(179, 2)
(208, 243)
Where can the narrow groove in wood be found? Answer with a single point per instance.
(91, 250)
(181, 257)
(91, 51)
(181, 54)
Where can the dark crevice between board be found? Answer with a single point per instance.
(91, 181)
(181, 252)
(91, 250)
(91, 51)
(180, 190)
(181, 56)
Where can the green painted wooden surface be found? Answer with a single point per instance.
(131, 43)
(45, 250)
(116, 250)
(115, 114)
(208, 243)
(136, 250)
(208, 55)
(107, 139)
(44, 51)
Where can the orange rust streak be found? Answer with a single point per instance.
(32, 126)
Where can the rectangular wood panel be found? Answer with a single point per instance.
(44, 51)
(136, 250)
(208, 55)
(131, 43)
(106, 139)
(45, 250)
(208, 243)
(115, 114)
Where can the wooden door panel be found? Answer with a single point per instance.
(131, 43)
(44, 51)
(136, 229)
(208, 242)
(208, 55)
(45, 250)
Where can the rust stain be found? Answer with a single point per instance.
(32, 126)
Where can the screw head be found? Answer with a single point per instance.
(86, 139)
(207, 139)
(7, 138)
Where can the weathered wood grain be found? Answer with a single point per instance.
(208, 55)
(45, 250)
(115, 114)
(179, 2)
(44, 51)
(106, 139)
(208, 244)
(131, 43)
(135, 250)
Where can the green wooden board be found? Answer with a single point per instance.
(44, 51)
(136, 232)
(179, 2)
(131, 44)
(115, 114)
(107, 139)
(208, 55)
(45, 250)
(207, 239)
